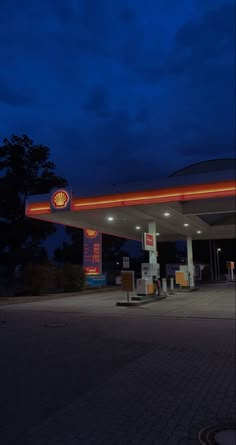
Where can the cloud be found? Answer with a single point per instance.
(142, 115)
(116, 152)
(117, 134)
(216, 25)
(143, 53)
(200, 75)
(211, 145)
(98, 102)
(122, 89)
(10, 96)
(127, 15)
(127, 149)
(204, 41)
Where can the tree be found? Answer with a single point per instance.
(72, 250)
(112, 249)
(25, 169)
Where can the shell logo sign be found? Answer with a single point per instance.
(60, 199)
(90, 233)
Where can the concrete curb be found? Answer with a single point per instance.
(140, 302)
(31, 299)
(184, 291)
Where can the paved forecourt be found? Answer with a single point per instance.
(210, 301)
(79, 370)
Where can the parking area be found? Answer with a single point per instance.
(210, 301)
(80, 370)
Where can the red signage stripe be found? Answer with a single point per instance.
(173, 194)
(39, 208)
(185, 193)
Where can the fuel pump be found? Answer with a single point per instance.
(147, 285)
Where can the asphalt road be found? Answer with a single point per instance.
(80, 370)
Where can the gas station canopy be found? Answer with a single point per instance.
(196, 202)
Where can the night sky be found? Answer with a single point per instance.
(119, 89)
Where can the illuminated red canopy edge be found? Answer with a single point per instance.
(173, 194)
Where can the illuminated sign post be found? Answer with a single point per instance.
(92, 257)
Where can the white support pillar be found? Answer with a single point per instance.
(153, 230)
(190, 261)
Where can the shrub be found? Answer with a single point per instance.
(70, 278)
(38, 278)
(43, 278)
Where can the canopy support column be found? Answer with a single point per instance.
(190, 261)
(153, 230)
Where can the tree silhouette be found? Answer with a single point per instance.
(25, 169)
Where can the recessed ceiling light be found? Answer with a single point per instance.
(166, 214)
(157, 234)
(186, 225)
(137, 227)
(110, 218)
(199, 231)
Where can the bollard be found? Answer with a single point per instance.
(172, 287)
(164, 285)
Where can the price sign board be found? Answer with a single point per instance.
(127, 281)
(92, 256)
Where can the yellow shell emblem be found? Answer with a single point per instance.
(60, 199)
(91, 233)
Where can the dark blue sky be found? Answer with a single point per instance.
(119, 89)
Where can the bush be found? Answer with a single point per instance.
(44, 278)
(70, 278)
(38, 278)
